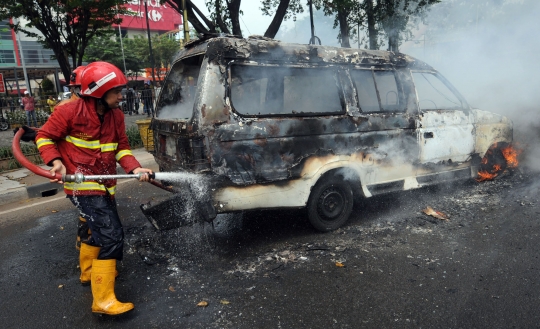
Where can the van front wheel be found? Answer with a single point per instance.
(330, 204)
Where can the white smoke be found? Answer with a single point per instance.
(488, 51)
(176, 111)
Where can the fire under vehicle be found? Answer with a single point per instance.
(270, 125)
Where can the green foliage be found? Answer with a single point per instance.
(19, 116)
(136, 53)
(47, 85)
(295, 7)
(8, 162)
(109, 49)
(134, 137)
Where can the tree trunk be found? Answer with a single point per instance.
(373, 33)
(273, 28)
(219, 20)
(393, 41)
(234, 13)
(343, 27)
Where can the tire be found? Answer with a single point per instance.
(330, 203)
(491, 158)
(4, 126)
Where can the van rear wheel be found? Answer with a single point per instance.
(330, 203)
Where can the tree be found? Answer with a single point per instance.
(392, 17)
(163, 48)
(225, 15)
(395, 15)
(67, 26)
(109, 49)
(135, 54)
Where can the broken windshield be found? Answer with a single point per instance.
(178, 94)
(434, 94)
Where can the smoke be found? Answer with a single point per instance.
(488, 51)
(176, 111)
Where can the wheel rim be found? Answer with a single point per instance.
(331, 204)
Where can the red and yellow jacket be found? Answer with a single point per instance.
(74, 134)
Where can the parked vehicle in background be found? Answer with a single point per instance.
(64, 95)
(274, 125)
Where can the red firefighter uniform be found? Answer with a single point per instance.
(75, 134)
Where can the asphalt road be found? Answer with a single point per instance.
(401, 268)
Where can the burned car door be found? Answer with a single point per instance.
(445, 128)
(388, 128)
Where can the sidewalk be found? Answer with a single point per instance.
(23, 184)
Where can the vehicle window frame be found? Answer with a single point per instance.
(335, 73)
(159, 102)
(402, 104)
(464, 105)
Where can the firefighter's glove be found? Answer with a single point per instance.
(29, 134)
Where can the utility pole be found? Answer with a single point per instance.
(185, 21)
(121, 43)
(23, 63)
(149, 42)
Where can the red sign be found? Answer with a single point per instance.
(2, 87)
(161, 17)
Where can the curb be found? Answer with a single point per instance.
(13, 195)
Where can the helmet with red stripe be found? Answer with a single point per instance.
(100, 77)
(75, 77)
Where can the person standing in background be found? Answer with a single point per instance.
(29, 106)
(51, 102)
(129, 99)
(136, 99)
(148, 99)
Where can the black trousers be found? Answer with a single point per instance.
(102, 218)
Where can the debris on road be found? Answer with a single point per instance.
(434, 213)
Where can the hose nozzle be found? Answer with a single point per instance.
(79, 178)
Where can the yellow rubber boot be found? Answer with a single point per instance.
(86, 257)
(103, 277)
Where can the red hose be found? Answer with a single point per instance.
(19, 156)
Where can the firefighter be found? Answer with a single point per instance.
(88, 136)
(74, 85)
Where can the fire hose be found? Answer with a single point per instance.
(78, 177)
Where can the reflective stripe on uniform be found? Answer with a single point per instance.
(44, 141)
(89, 186)
(107, 147)
(122, 154)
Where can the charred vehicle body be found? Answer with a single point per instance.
(277, 125)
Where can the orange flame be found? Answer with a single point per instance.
(484, 175)
(510, 154)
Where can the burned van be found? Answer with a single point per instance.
(275, 125)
